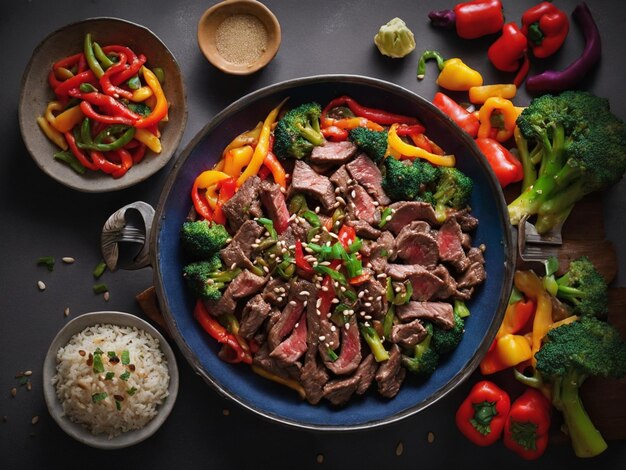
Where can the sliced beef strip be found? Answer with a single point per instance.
(365, 373)
(275, 292)
(390, 375)
(253, 315)
(425, 285)
(373, 301)
(341, 179)
(401, 272)
(292, 348)
(305, 180)
(273, 200)
(333, 153)
(466, 220)
(365, 172)
(408, 334)
(474, 276)
(440, 313)
(313, 377)
(224, 305)
(287, 238)
(450, 248)
(416, 245)
(262, 359)
(361, 205)
(350, 354)
(339, 391)
(244, 205)
(239, 250)
(233, 255)
(291, 313)
(382, 252)
(406, 212)
(449, 284)
(245, 284)
(364, 230)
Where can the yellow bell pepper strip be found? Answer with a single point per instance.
(51, 107)
(141, 94)
(249, 137)
(509, 114)
(69, 118)
(236, 159)
(352, 123)
(291, 383)
(278, 172)
(513, 349)
(203, 181)
(51, 133)
(146, 137)
(262, 147)
(480, 94)
(160, 108)
(517, 315)
(412, 151)
(532, 287)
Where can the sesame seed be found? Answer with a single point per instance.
(35, 420)
(258, 240)
(226, 412)
(266, 269)
(293, 247)
(333, 328)
(13, 392)
(28, 373)
(431, 437)
(106, 296)
(361, 294)
(304, 304)
(322, 338)
(367, 323)
(317, 209)
(66, 312)
(292, 303)
(318, 313)
(277, 289)
(367, 304)
(319, 458)
(324, 289)
(341, 200)
(367, 317)
(375, 203)
(381, 276)
(399, 449)
(347, 325)
(279, 299)
(388, 218)
(41, 285)
(335, 300)
(292, 217)
(68, 259)
(233, 266)
(319, 302)
(228, 240)
(255, 245)
(337, 190)
(353, 194)
(398, 289)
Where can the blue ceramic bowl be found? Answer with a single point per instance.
(277, 402)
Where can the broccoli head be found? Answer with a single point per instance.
(446, 340)
(570, 354)
(576, 147)
(405, 180)
(454, 190)
(198, 277)
(424, 360)
(201, 239)
(373, 143)
(583, 287)
(298, 131)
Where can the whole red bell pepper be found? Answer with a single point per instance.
(528, 424)
(482, 415)
(546, 28)
(506, 167)
(509, 53)
(461, 116)
(472, 19)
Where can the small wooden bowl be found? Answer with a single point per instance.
(213, 18)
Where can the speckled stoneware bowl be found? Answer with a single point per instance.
(36, 93)
(277, 402)
(55, 408)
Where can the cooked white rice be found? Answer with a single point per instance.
(128, 404)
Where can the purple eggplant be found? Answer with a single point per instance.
(558, 80)
(444, 19)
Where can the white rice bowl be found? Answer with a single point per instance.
(103, 402)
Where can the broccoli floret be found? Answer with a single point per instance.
(570, 354)
(206, 279)
(577, 148)
(424, 360)
(373, 143)
(298, 131)
(201, 239)
(446, 340)
(454, 190)
(583, 287)
(406, 181)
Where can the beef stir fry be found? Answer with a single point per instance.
(341, 264)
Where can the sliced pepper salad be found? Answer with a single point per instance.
(107, 108)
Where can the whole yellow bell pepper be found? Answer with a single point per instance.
(513, 349)
(454, 74)
(509, 114)
(412, 151)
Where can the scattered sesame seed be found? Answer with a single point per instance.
(304, 304)
(347, 325)
(292, 303)
(333, 328)
(399, 449)
(66, 312)
(367, 323)
(266, 269)
(68, 259)
(317, 209)
(228, 240)
(319, 458)
(341, 200)
(28, 373)
(106, 296)
(41, 285)
(353, 194)
(381, 276)
(293, 247)
(318, 313)
(318, 302)
(258, 240)
(13, 392)
(324, 289)
(335, 300)
(255, 245)
(388, 218)
(322, 338)
(276, 289)
(367, 304)
(375, 203)
(367, 317)
(279, 299)
(35, 420)
(431, 437)
(398, 289)
(361, 294)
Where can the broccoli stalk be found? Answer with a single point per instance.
(454, 190)
(424, 360)
(570, 354)
(579, 149)
(298, 131)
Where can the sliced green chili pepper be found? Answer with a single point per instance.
(332, 355)
(160, 74)
(388, 320)
(87, 88)
(334, 275)
(93, 63)
(312, 218)
(47, 261)
(100, 288)
(101, 56)
(297, 204)
(99, 269)
(387, 211)
(355, 246)
(86, 141)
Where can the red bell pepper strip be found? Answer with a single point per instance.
(68, 62)
(105, 80)
(276, 168)
(84, 77)
(78, 153)
(528, 424)
(334, 133)
(546, 28)
(126, 162)
(301, 263)
(138, 152)
(107, 104)
(360, 279)
(482, 415)
(131, 71)
(506, 167)
(221, 335)
(414, 129)
(91, 113)
(373, 114)
(461, 116)
(347, 235)
(117, 49)
(509, 52)
(226, 189)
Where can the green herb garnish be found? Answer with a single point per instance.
(99, 269)
(125, 357)
(100, 288)
(131, 391)
(125, 376)
(47, 261)
(96, 397)
(118, 405)
(109, 376)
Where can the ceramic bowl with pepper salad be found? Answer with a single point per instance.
(102, 104)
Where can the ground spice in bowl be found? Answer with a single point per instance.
(241, 38)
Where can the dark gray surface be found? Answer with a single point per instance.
(41, 217)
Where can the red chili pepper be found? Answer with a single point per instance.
(546, 28)
(68, 62)
(346, 235)
(406, 130)
(117, 49)
(131, 71)
(221, 335)
(200, 203)
(84, 77)
(226, 189)
(139, 152)
(506, 167)
(107, 103)
(78, 153)
(301, 262)
(478, 18)
(461, 116)
(334, 133)
(482, 415)
(117, 170)
(93, 114)
(373, 114)
(360, 279)
(528, 424)
(105, 80)
(126, 162)
(509, 52)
